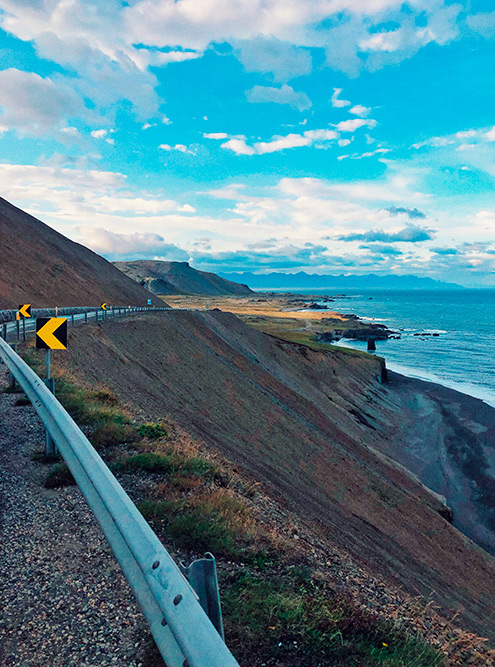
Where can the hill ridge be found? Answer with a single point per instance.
(43, 267)
(163, 277)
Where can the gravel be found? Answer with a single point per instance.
(63, 597)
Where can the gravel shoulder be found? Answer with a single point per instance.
(63, 597)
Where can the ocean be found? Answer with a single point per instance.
(462, 356)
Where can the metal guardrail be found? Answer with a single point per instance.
(19, 329)
(182, 630)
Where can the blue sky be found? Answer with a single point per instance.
(331, 136)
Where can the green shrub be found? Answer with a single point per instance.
(165, 463)
(203, 531)
(59, 476)
(211, 522)
(288, 617)
(152, 431)
(104, 396)
(158, 510)
(108, 435)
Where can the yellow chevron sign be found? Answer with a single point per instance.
(103, 306)
(51, 333)
(25, 310)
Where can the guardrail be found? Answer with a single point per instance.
(184, 634)
(10, 315)
(11, 328)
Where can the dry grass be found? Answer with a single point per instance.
(274, 306)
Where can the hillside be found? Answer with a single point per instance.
(179, 278)
(307, 426)
(42, 267)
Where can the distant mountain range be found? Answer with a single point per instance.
(317, 281)
(178, 278)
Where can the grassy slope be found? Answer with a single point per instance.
(275, 612)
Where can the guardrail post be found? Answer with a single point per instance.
(50, 449)
(202, 575)
(11, 376)
(4, 332)
(86, 317)
(72, 318)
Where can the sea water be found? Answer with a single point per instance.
(462, 356)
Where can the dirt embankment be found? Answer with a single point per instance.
(40, 266)
(308, 425)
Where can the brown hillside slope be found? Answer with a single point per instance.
(40, 266)
(178, 278)
(306, 425)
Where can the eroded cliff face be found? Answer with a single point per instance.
(312, 427)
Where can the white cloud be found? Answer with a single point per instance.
(281, 143)
(215, 135)
(99, 134)
(284, 95)
(360, 110)
(382, 41)
(344, 142)
(109, 47)
(482, 23)
(129, 246)
(35, 105)
(354, 124)
(469, 148)
(282, 59)
(178, 147)
(336, 101)
(360, 156)
(164, 58)
(321, 135)
(239, 146)
(320, 138)
(466, 134)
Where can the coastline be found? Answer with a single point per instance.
(447, 439)
(466, 388)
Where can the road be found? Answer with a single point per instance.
(14, 330)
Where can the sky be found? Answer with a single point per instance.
(328, 136)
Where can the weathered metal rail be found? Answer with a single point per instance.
(182, 630)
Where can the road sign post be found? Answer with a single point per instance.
(51, 334)
(11, 376)
(50, 448)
